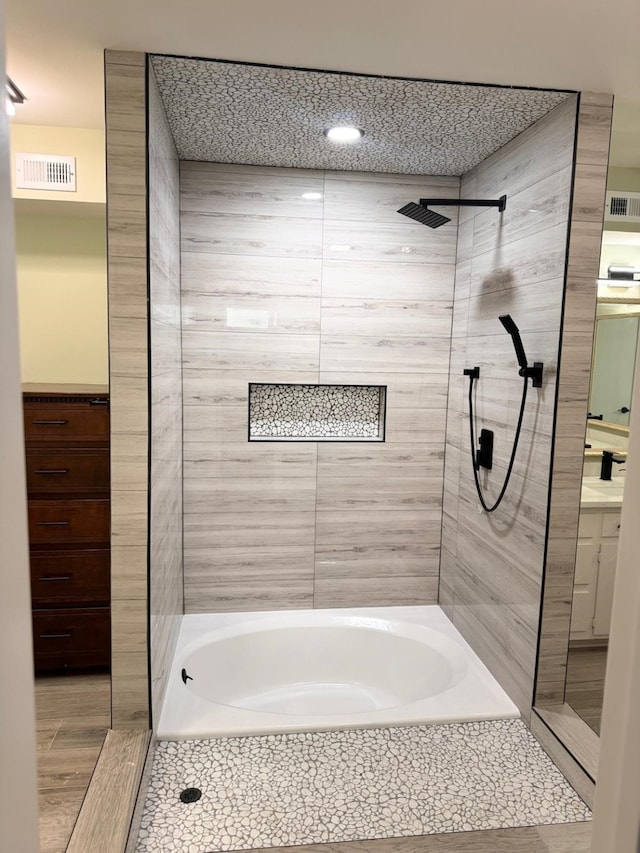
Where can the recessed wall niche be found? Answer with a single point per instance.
(287, 412)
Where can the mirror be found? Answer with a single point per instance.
(612, 373)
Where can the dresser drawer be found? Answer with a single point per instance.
(65, 423)
(55, 472)
(71, 638)
(68, 521)
(70, 577)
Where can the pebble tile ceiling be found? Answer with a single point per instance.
(226, 112)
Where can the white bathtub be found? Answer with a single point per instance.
(316, 670)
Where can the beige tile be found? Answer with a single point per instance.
(128, 518)
(128, 625)
(264, 314)
(248, 276)
(129, 681)
(248, 495)
(222, 388)
(590, 185)
(594, 132)
(251, 234)
(127, 288)
(531, 211)
(129, 571)
(255, 460)
(539, 258)
(412, 426)
(376, 199)
(232, 579)
(425, 390)
(545, 148)
(224, 424)
(230, 190)
(386, 560)
(370, 354)
(391, 493)
(125, 98)
(386, 318)
(250, 351)
(380, 460)
(405, 242)
(375, 592)
(124, 57)
(127, 222)
(376, 279)
(126, 173)
(208, 530)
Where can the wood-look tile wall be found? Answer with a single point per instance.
(337, 290)
(128, 378)
(492, 565)
(165, 521)
(587, 214)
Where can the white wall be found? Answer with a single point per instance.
(616, 825)
(18, 786)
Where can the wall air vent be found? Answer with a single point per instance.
(622, 207)
(45, 172)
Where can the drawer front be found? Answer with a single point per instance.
(71, 638)
(70, 577)
(65, 423)
(60, 471)
(59, 522)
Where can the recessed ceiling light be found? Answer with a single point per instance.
(312, 196)
(344, 134)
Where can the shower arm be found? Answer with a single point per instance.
(500, 203)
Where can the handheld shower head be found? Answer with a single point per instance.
(510, 326)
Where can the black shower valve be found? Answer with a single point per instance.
(473, 372)
(534, 373)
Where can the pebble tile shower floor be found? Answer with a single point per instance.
(295, 789)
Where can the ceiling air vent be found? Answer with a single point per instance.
(623, 207)
(45, 172)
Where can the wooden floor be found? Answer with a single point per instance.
(585, 684)
(560, 838)
(73, 715)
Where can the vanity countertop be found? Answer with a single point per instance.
(601, 494)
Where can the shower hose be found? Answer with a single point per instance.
(474, 460)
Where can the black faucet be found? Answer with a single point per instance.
(607, 464)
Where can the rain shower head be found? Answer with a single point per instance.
(422, 214)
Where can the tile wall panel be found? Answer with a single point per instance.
(336, 290)
(165, 521)
(587, 214)
(491, 571)
(128, 378)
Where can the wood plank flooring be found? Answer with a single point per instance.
(73, 715)
(585, 684)
(561, 838)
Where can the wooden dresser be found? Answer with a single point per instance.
(67, 453)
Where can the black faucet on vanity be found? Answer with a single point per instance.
(607, 464)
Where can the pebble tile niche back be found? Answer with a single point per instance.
(285, 412)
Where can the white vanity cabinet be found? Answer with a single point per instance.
(595, 573)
